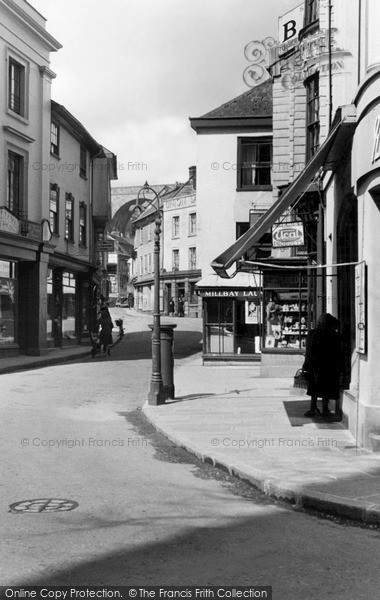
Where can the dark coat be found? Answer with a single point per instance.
(105, 335)
(323, 361)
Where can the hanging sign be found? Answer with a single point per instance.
(288, 234)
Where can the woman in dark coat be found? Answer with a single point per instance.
(323, 361)
(105, 336)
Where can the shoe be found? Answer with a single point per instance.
(327, 415)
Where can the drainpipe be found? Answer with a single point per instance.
(359, 39)
(330, 65)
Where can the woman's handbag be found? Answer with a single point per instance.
(301, 379)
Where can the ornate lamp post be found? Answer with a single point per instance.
(156, 395)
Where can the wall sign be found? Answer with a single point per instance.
(8, 222)
(360, 308)
(288, 234)
(251, 295)
(290, 25)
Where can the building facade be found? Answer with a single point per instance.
(234, 187)
(326, 134)
(26, 79)
(51, 202)
(179, 253)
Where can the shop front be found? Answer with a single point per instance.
(232, 317)
(8, 305)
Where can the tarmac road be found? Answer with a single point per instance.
(149, 514)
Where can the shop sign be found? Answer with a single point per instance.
(284, 280)
(8, 222)
(290, 25)
(287, 234)
(253, 295)
(106, 246)
(360, 308)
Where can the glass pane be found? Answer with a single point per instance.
(68, 305)
(7, 310)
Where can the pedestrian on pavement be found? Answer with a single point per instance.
(105, 336)
(181, 307)
(324, 364)
(171, 307)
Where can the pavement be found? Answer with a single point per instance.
(255, 428)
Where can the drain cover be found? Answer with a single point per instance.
(39, 505)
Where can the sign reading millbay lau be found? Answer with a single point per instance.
(252, 295)
(8, 222)
(287, 234)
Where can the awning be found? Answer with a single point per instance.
(340, 133)
(239, 281)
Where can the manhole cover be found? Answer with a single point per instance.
(39, 505)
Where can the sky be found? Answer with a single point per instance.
(134, 71)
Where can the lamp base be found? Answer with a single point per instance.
(156, 394)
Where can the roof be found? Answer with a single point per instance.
(256, 102)
(74, 127)
(180, 190)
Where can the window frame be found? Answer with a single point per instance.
(192, 258)
(175, 259)
(20, 111)
(175, 226)
(83, 225)
(54, 147)
(259, 141)
(15, 205)
(312, 110)
(193, 223)
(54, 223)
(83, 161)
(69, 223)
(311, 11)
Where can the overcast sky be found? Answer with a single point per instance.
(133, 71)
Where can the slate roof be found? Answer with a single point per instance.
(256, 102)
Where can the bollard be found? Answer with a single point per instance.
(167, 359)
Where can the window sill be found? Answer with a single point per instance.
(83, 176)
(55, 155)
(255, 188)
(15, 115)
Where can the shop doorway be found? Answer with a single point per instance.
(347, 251)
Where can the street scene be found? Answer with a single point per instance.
(189, 276)
(149, 512)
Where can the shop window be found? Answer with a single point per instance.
(312, 116)
(50, 308)
(54, 139)
(83, 162)
(311, 11)
(175, 260)
(175, 227)
(8, 289)
(192, 259)
(82, 224)
(68, 305)
(16, 87)
(192, 224)
(287, 314)
(254, 164)
(69, 218)
(15, 191)
(54, 208)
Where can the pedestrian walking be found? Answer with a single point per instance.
(181, 307)
(324, 364)
(171, 307)
(105, 336)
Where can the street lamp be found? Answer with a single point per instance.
(156, 395)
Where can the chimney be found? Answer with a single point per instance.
(193, 176)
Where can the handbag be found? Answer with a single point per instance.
(301, 379)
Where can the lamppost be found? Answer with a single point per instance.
(156, 395)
